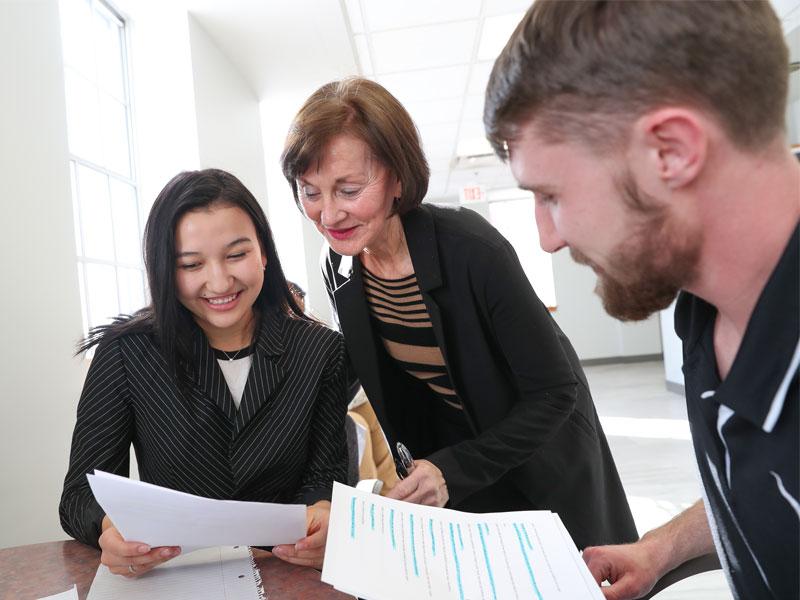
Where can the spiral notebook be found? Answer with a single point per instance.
(221, 573)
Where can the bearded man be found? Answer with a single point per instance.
(652, 137)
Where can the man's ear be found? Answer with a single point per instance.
(673, 143)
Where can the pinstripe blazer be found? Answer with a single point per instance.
(286, 443)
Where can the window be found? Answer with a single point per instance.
(514, 217)
(104, 191)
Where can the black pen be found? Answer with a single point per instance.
(404, 461)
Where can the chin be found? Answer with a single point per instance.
(345, 247)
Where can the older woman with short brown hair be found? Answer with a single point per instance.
(460, 359)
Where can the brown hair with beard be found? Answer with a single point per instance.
(584, 70)
(366, 110)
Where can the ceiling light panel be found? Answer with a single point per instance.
(423, 47)
(471, 128)
(426, 84)
(473, 108)
(383, 15)
(495, 34)
(479, 77)
(428, 112)
(499, 7)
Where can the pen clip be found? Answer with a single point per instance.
(404, 461)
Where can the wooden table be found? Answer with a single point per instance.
(31, 572)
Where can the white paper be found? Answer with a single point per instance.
(70, 594)
(384, 549)
(158, 516)
(209, 574)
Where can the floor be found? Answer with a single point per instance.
(649, 436)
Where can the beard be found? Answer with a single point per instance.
(650, 267)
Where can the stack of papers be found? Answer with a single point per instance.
(158, 516)
(382, 549)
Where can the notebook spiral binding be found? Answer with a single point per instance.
(262, 595)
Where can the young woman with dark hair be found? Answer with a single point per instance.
(222, 385)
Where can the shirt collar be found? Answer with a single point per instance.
(756, 385)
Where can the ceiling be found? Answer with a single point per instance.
(433, 55)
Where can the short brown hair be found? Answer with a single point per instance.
(585, 70)
(367, 110)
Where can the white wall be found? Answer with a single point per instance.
(228, 119)
(40, 318)
(162, 93)
(581, 316)
(41, 314)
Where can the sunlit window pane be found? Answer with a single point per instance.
(76, 19)
(114, 127)
(126, 223)
(108, 45)
(105, 202)
(131, 290)
(83, 116)
(516, 220)
(73, 177)
(95, 208)
(101, 282)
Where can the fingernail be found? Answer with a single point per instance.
(143, 549)
(278, 550)
(167, 552)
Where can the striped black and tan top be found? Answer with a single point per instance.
(405, 328)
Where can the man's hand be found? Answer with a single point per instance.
(310, 550)
(130, 559)
(628, 568)
(425, 484)
(633, 569)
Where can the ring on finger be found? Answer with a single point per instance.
(131, 569)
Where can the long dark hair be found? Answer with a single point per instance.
(166, 319)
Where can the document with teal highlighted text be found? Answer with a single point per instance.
(383, 549)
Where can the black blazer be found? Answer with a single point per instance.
(286, 443)
(522, 386)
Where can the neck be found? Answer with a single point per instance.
(389, 256)
(747, 214)
(231, 339)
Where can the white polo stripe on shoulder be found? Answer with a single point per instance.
(723, 414)
(724, 559)
(780, 396)
(785, 493)
(715, 474)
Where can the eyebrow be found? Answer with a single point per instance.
(344, 179)
(240, 240)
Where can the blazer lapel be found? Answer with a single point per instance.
(266, 372)
(353, 314)
(210, 378)
(421, 239)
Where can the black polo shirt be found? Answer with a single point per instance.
(745, 433)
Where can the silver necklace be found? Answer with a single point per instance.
(232, 358)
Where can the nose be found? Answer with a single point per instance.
(549, 238)
(331, 212)
(219, 279)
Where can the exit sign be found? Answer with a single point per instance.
(472, 193)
